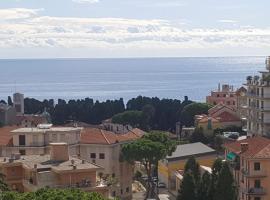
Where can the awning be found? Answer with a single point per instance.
(231, 156)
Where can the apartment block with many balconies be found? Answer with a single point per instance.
(250, 162)
(258, 103)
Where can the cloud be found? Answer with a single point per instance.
(227, 21)
(86, 1)
(27, 28)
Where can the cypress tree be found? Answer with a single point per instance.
(194, 168)
(225, 188)
(187, 188)
(204, 187)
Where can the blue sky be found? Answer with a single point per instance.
(133, 28)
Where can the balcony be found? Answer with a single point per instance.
(255, 191)
(253, 174)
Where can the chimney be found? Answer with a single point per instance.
(244, 147)
(59, 151)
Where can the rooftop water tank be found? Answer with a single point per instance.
(267, 63)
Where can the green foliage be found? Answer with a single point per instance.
(198, 136)
(204, 189)
(187, 189)
(133, 118)
(189, 111)
(220, 185)
(148, 151)
(51, 194)
(225, 178)
(3, 185)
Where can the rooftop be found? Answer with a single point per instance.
(100, 136)
(42, 162)
(6, 136)
(258, 147)
(193, 149)
(42, 130)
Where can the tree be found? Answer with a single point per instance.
(193, 167)
(216, 168)
(198, 136)
(148, 151)
(133, 118)
(3, 185)
(204, 187)
(10, 103)
(225, 178)
(189, 111)
(52, 194)
(187, 188)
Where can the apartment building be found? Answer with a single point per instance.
(95, 145)
(250, 162)
(258, 98)
(104, 148)
(224, 94)
(7, 114)
(36, 140)
(56, 170)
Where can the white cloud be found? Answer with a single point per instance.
(26, 28)
(86, 1)
(227, 21)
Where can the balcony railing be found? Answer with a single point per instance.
(255, 191)
(260, 173)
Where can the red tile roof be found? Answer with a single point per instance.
(227, 117)
(258, 147)
(100, 136)
(6, 136)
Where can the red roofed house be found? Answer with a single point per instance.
(220, 116)
(92, 144)
(250, 162)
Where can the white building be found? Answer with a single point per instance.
(258, 103)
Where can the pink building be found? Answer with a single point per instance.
(226, 95)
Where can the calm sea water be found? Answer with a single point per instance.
(114, 78)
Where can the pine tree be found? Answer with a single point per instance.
(187, 188)
(10, 103)
(225, 188)
(204, 187)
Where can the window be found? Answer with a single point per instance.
(22, 140)
(101, 156)
(62, 137)
(217, 95)
(93, 155)
(22, 152)
(233, 102)
(113, 193)
(127, 190)
(257, 184)
(257, 166)
(113, 175)
(54, 137)
(121, 191)
(228, 103)
(215, 103)
(257, 198)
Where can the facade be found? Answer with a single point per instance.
(57, 170)
(258, 106)
(116, 128)
(226, 95)
(104, 148)
(250, 162)
(7, 114)
(18, 103)
(94, 145)
(169, 167)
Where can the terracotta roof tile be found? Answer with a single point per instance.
(100, 136)
(258, 147)
(227, 117)
(6, 136)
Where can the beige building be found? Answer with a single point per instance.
(258, 106)
(56, 170)
(92, 144)
(250, 162)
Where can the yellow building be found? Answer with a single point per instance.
(168, 167)
(250, 161)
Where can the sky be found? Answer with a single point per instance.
(133, 28)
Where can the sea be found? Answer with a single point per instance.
(103, 79)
